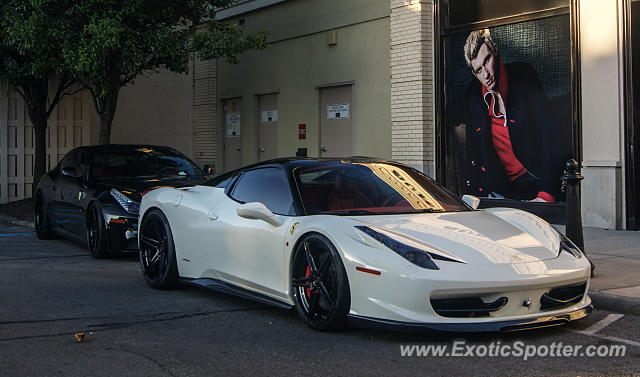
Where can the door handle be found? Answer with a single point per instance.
(260, 149)
(323, 149)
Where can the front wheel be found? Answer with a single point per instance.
(97, 233)
(157, 251)
(320, 284)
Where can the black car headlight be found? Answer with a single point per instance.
(567, 245)
(420, 258)
(125, 202)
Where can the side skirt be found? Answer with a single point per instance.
(224, 287)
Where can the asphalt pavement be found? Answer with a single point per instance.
(52, 290)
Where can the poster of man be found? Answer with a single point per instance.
(508, 142)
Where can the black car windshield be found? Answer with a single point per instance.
(363, 188)
(142, 162)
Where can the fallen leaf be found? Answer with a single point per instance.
(80, 337)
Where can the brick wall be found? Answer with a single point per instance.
(204, 111)
(412, 84)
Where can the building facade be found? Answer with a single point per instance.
(385, 78)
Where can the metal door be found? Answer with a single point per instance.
(232, 113)
(336, 128)
(268, 120)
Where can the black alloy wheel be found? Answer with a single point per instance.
(41, 219)
(157, 251)
(320, 284)
(96, 233)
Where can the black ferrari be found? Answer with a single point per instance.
(93, 194)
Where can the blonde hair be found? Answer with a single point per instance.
(474, 42)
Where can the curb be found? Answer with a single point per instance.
(621, 304)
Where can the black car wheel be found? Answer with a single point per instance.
(96, 233)
(41, 219)
(320, 284)
(157, 251)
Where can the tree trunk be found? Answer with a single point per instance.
(40, 159)
(36, 93)
(106, 112)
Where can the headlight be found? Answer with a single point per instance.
(414, 255)
(567, 245)
(126, 203)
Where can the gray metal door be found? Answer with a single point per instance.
(268, 120)
(336, 128)
(232, 111)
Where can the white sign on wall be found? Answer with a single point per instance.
(338, 111)
(232, 124)
(269, 116)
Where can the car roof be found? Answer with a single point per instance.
(293, 162)
(107, 147)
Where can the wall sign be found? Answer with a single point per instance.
(269, 116)
(338, 111)
(302, 131)
(232, 124)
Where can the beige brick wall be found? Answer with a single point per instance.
(204, 111)
(412, 84)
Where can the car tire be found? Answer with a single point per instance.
(157, 251)
(97, 233)
(41, 219)
(320, 285)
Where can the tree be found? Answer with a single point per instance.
(121, 39)
(33, 34)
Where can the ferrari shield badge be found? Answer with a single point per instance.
(293, 228)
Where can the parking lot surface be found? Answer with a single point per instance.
(51, 290)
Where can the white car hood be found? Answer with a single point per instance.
(493, 236)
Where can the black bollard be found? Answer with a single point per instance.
(572, 178)
(571, 186)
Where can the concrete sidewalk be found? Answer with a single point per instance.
(616, 281)
(615, 285)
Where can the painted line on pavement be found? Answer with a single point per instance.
(611, 318)
(17, 234)
(609, 338)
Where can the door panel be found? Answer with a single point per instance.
(232, 118)
(336, 128)
(254, 261)
(268, 117)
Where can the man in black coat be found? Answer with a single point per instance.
(513, 145)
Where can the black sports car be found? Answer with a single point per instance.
(93, 194)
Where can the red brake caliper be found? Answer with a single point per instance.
(307, 274)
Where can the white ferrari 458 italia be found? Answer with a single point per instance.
(363, 239)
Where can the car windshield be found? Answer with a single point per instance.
(142, 162)
(354, 188)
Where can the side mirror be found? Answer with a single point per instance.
(471, 201)
(70, 172)
(258, 211)
(209, 169)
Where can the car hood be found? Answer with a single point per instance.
(134, 187)
(493, 236)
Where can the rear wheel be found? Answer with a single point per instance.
(157, 251)
(320, 285)
(41, 219)
(96, 233)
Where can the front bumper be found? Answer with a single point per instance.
(122, 233)
(489, 326)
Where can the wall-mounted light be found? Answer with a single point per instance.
(332, 38)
